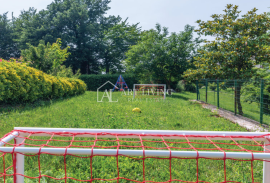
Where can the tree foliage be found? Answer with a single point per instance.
(96, 41)
(240, 43)
(8, 48)
(114, 43)
(251, 89)
(160, 56)
(46, 58)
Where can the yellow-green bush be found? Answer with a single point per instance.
(20, 83)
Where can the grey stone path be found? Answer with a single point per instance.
(249, 124)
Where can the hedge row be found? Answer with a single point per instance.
(93, 82)
(20, 83)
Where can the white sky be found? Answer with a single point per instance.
(174, 14)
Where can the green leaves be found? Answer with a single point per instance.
(239, 45)
(115, 41)
(8, 48)
(160, 56)
(47, 58)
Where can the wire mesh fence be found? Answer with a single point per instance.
(249, 98)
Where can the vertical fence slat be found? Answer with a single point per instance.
(218, 93)
(235, 93)
(206, 83)
(261, 102)
(197, 89)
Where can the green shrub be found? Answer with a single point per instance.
(180, 87)
(191, 87)
(183, 86)
(213, 86)
(44, 57)
(93, 82)
(20, 83)
(63, 71)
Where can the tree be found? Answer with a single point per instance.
(162, 57)
(96, 41)
(47, 58)
(31, 27)
(251, 90)
(80, 23)
(8, 48)
(115, 41)
(238, 46)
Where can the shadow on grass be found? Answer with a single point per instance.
(179, 96)
(6, 109)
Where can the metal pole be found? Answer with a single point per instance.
(261, 102)
(134, 90)
(8, 138)
(19, 163)
(125, 152)
(206, 83)
(151, 134)
(235, 85)
(197, 89)
(218, 93)
(199, 92)
(266, 166)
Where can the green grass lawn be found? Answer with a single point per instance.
(176, 113)
(226, 101)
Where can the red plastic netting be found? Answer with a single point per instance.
(170, 171)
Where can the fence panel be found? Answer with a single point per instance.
(249, 98)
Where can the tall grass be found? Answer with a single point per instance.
(175, 113)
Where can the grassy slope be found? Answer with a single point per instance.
(177, 113)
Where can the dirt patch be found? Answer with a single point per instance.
(249, 124)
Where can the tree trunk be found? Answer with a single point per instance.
(169, 87)
(107, 66)
(84, 67)
(107, 69)
(238, 101)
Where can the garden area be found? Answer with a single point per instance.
(176, 113)
(72, 67)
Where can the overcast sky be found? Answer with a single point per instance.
(174, 14)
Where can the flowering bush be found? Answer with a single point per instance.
(19, 83)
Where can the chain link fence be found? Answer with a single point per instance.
(249, 98)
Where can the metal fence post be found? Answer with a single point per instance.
(235, 85)
(197, 89)
(199, 92)
(218, 93)
(206, 83)
(261, 102)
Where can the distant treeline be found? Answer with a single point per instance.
(97, 42)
